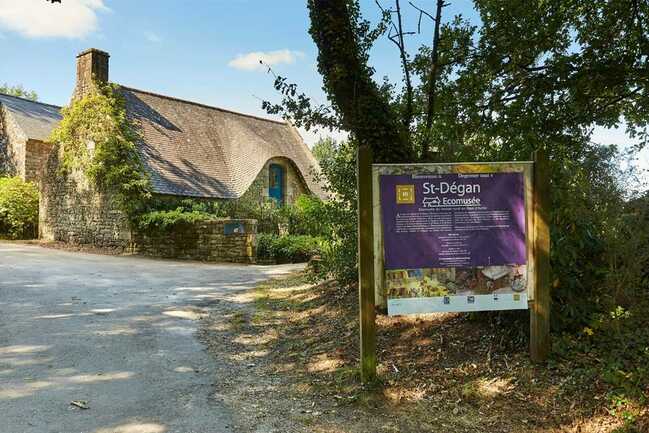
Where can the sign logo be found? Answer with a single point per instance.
(405, 194)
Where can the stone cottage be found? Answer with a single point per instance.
(188, 150)
(24, 128)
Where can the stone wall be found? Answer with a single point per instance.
(219, 240)
(73, 211)
(12, 146)
(20, 156)
(36, 154)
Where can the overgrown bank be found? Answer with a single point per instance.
(293, 351)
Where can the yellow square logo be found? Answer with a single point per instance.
(405, 194)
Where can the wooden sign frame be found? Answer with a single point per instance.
(370, 235)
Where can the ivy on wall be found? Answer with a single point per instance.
(96, 137)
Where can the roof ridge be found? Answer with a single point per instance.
(29, 100)
(204, 105)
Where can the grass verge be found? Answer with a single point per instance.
(438, 373)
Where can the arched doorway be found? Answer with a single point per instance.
(276, 181)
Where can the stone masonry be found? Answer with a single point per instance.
(92, 65)
(20, 155)
(12, 146)
(36, 154)
(73, 211)
(207, 241)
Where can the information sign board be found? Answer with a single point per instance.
(454, 237)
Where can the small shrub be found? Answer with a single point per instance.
(18, 208)
(166, 219)
(287, 249)
(265, 245)
(306, 216)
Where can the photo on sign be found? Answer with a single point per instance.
(430, 282)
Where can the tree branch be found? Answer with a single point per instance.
(407, 116)
(432, 81)
(397, 39)
(421, 15)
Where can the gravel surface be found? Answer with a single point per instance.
(115, 335)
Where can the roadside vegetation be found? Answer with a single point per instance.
(531, 75)
(18, 209)
(294, 352)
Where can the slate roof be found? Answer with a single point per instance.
(35, 119)
(195, 150)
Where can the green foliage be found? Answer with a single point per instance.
(19, 91)
(165, 212)
(305, 216)
(359, 105)
(324, 149)
(612, 351)
(287, 248)
(338, 215)
(96, 136)
(168, 219)
(18, 208)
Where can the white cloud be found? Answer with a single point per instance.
(39, 19)
(152, 37)
(250, 61)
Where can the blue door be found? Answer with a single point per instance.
(276, 183)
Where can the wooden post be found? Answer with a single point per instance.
(540, 308)
(366, 265)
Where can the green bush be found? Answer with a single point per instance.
(166, 219)
(18, 208)
(287, 249)
(306, 216)
(337, 216)
(613, 351)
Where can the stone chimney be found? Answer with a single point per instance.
(92, 65)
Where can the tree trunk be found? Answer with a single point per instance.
(348, 81)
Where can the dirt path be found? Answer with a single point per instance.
(115, 332)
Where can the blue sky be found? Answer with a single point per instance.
(201, 50)
(186, 49)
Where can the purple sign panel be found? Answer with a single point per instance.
(453, 220)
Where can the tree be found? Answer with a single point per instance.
(19, 91)
(534, 74)
(552, 68)
(324, 149)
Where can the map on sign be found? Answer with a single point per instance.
(454, 241)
